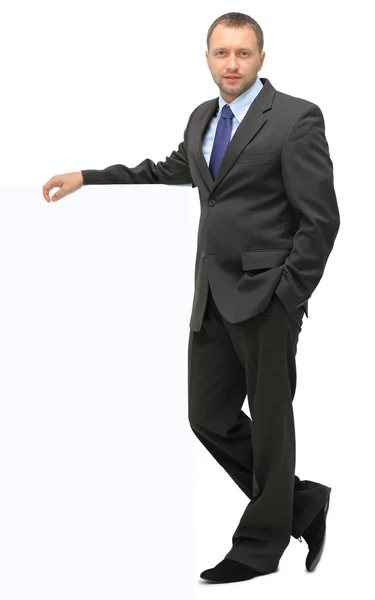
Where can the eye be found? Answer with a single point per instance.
(221, 51)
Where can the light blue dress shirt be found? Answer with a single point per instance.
(239, 108)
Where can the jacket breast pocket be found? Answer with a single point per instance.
(254, 260)
(256, 157)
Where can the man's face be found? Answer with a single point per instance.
(234, 52)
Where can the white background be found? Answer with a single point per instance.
(101, 478)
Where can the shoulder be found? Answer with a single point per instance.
(292, 108)
(296, 118)
(203, 106)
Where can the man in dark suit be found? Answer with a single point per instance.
(269, 219)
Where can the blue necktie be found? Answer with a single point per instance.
(222, 138)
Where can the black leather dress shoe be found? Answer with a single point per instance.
(228, 571)
(315, 536)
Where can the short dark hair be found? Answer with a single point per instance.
(236, 19)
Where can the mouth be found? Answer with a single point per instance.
(231, 78)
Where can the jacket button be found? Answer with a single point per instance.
(203, 254)
(212, 202)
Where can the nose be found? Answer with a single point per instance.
(232, 62)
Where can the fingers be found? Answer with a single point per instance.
(58, 194)
(46, 188)
(53, 182)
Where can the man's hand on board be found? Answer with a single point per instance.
(68, 183)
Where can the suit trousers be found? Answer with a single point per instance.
(254, 358)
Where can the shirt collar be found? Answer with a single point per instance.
(240, 105)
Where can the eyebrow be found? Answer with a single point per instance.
(221, 48)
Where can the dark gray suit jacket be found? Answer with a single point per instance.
(270, 218)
